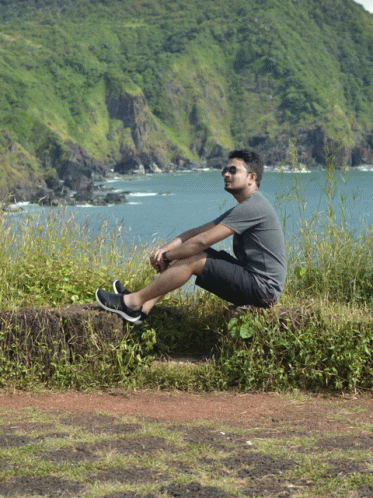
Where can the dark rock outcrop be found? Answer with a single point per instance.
(35, 191)
(312, 148)
(76, 173)
(216, 158)
(132, 110)
(361, 155)
(128, 164)
(150, 148)
(77, 163)
(75, 182)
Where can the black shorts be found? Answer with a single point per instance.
(226, 277)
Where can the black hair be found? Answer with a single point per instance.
(252, 161)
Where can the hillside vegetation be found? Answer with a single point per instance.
(169, 81)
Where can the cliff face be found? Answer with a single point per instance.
(159, 86)
(312, 147)
(150, 145)
(74, 179)
(133, 112)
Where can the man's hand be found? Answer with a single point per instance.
(156, 259)
(157, 262)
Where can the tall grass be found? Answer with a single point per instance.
(330, 255)
(55, 260)
(52, 261)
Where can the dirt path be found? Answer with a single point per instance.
(313, 412)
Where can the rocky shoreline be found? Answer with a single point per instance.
(96, 192)
(69, 175)
(81, 179)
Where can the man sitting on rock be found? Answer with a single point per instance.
(256, 276)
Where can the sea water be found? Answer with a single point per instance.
(161, 206)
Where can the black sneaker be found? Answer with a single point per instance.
(143, 318)
(120, 289)
(114, 303)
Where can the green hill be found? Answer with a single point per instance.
(167, 81)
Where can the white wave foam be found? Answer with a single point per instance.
(366, 167)
(112, 180)
(142, 194)
(293, 171)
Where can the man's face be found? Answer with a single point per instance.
(235, 182)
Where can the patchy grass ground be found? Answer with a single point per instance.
(145, 445)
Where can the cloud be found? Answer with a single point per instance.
(367, 4)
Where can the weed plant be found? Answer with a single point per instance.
(329, 350)
(53, 261)
(331, 257)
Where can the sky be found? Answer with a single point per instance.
(367, 4)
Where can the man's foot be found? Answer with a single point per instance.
(114, 303)
(120, 289)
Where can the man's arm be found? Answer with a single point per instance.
(156, 257)
(210, 235)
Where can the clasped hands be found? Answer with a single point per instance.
(157, 261)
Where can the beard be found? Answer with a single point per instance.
(232, 190)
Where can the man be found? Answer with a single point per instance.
(255, 276)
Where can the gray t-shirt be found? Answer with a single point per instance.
(258, 241)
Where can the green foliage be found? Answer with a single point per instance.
(331, 257)
(110, 364)
(329, 352)
(210, 72)
(58, 261)
(53, 260)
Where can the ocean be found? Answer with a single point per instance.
(160, 206)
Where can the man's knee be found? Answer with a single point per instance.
(195, 263)
(198, 263)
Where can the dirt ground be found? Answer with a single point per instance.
(334, 433)
(314, 413)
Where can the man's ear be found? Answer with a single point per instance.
(252, 176)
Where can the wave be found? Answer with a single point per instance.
(292, 171)
(147, 194)
(142, 194)
(93, 205)
(366, 167)
(14, 208)
(287, 168)
(108, 205)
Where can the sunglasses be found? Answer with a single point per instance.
(232, 170)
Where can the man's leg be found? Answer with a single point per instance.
(149, 305)
(175, 276)
(226, 277)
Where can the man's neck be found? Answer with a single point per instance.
(244, 194)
